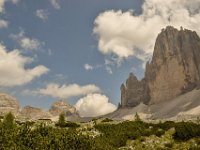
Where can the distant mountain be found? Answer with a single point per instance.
(62, 107)
(8, 104)
(33, 113)
(173, 70)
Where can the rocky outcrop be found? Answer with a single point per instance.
(134, 92)
(34, 113)
(174, 69)
(62, 107)
(8, 104)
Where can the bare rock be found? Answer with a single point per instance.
(34, 113)
(8, 104)
(134, 92)
(175, 66)
(174, 69)
(62, 107)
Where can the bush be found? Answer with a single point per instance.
(107, 120)
(72, 125)
(169, 145)
(186, 130)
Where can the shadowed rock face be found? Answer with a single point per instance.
(174, 69)
(134, 92)
(8, 104)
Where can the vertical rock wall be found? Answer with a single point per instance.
(174, 69)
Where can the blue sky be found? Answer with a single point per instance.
(68, 34)
(81, 47)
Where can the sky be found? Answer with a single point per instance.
(82, 50)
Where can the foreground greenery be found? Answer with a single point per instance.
(98, 135)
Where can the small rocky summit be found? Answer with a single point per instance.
(62, 107)
(8, 104)
(173, 70)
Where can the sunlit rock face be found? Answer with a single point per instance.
(173, 70)
(8, 104)
(63, 107)
(34, 113)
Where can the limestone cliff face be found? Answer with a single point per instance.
(34, 113)
(133, 92)
(62, 107)
(174, 69)
(8, 104)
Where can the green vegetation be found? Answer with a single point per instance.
(62, 122)
(107, 120)
(137, 117)
(106, 134)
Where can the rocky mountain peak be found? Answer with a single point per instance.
(62, 107)
(8, 104)
(173, 70)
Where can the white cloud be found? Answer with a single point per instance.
(88, 67)
(109, 70)
(42, 14)
(3, 23)
(94, 105)
(124, 34)
(55, 4)
(67, 91)
(2, 4)
(13, 71)
(14, 1)
(26, 42)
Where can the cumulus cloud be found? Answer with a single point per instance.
(88, 67)
(55, 4)
(26, 42)
(13, 71)
(124, 34)
(42, 14)
(94, 105)
(66, 91)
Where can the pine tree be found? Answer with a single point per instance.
(61, 121)
(137, 117)
(8, 121)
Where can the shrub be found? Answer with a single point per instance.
(186, 130)
(61, 122)
(107, 120)
(72, 124)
